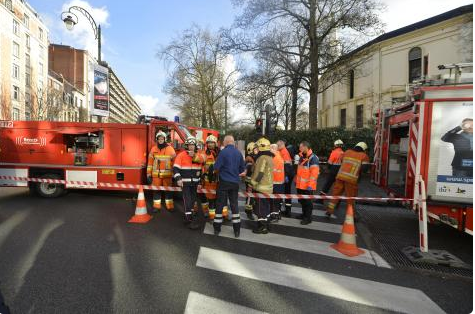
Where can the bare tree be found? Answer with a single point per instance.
(199, 79)
(320, 19)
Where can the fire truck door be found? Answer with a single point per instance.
(134, 150)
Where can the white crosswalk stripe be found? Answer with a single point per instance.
(315, 225)
(296, 243)
(298, 210)
(202, 304)
(361, 291)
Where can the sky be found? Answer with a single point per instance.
(133, 32)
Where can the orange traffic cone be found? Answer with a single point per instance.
(141, 216)
(347, 243)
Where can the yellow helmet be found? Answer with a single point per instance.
(160, 134)
(338, 142)
(362, 145)
(211, 138)
(250, 147)
(263, 144)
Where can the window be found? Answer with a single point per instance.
(26, 20)
(16, 92)
(27, 40)
(40, 68)
(27, 61)
(16, 114)
(16, 71)
(41, 33)
(16, 49)
(9, 5)
(27, 115)
(359, 116)
(27, 79)
(426, 65)
(27, 106)
(343, 118)
(16, 27)
(351, 86)
(80, 102)
(415, 66)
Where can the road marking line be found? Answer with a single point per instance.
(198, 303)
(296, 243)
(361, 291)
(315, 225)
(298, 210)
(11, 223)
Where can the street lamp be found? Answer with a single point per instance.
(70, 19)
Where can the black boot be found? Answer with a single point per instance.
(287, 211)
(249, 213)
(237, 229)
(194, 222)
(261, 228)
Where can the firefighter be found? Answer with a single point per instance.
(187, 173)
(209, 177)
(308, 170)
(278, 184)
(251, 156)
(160, 170)
(334, 163)
(289, 175)
(347, 178)
(262, 182)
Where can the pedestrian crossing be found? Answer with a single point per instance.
(363, 292)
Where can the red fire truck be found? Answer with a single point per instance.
(430, 137)
(202, 133)
(111, 153)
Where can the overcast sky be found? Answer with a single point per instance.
(133, 31)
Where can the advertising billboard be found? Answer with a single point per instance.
(100, 95)
(451, 152)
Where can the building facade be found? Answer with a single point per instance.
(123, 108)
(67, 103)
(23, 61)
(77, 67)
(392, 62)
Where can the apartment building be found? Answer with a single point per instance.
(23, 61)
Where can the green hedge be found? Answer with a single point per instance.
(320, 140)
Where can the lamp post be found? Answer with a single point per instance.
(70, 20)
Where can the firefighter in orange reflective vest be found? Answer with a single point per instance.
(160, 170)
(348, 175)
(279, 180)
(334, 163)
(308, 170)
(289, 173)
(209, 177)
(187, 173)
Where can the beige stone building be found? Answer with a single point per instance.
(23, 61)
(394, 60)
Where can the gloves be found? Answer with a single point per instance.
(309, 189)
(286, 179)
(149, 180)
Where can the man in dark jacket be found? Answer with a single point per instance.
(230, 167)
(462, 139)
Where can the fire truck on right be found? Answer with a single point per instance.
(430, 138)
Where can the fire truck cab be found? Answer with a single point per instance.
(430, 137)
(110, 153)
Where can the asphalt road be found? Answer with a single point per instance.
(78, 254)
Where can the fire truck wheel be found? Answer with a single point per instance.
(49, 190)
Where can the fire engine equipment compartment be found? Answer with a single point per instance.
(398, 148)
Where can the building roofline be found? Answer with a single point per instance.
(413, 27)
(66, 46)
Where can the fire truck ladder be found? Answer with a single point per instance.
(377, 149)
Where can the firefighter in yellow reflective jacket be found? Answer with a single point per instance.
(262, 182)
(352, 163)
(160, 170)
